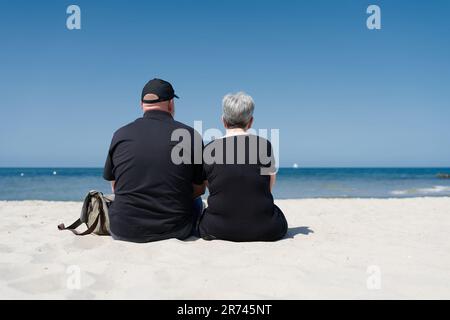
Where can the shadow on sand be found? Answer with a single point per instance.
(292, 232)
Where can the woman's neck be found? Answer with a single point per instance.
(235, 132)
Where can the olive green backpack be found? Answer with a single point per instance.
(94, 214)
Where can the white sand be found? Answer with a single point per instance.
(407, 241)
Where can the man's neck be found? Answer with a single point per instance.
(151, 108)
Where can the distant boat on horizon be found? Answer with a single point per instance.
(443, 175)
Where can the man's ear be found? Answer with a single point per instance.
(171, 106)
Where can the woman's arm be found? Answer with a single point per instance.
(273, 178)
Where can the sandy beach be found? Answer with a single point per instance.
(335, 249)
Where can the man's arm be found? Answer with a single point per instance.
(199, 189)
(108, 174)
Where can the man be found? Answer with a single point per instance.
(154, 197)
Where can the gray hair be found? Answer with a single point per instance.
(237, 109)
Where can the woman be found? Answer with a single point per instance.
(240, 173)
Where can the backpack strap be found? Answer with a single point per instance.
(76, 224)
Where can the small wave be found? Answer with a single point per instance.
(435, 189)
(432, 190)
(399, 192)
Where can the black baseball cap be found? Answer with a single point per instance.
(162, 89)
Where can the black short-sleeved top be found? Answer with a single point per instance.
(240, 204)
(153, 195)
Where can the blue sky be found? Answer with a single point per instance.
(341, 95)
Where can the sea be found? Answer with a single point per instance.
(71, 184)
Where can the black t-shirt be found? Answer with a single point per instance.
(153, 195)
(240, 204)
